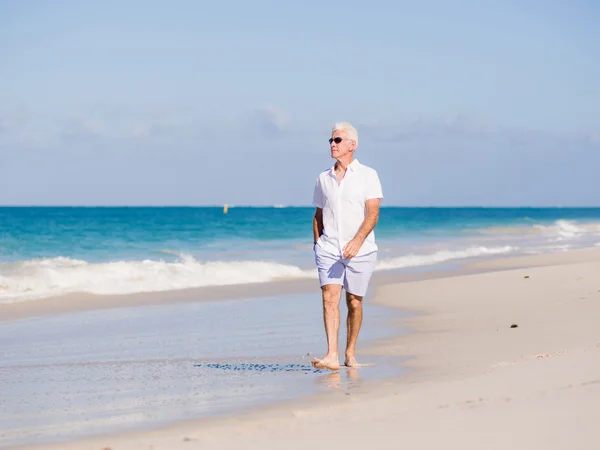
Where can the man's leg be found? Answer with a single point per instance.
(358, 274)
(354, 322)
(331, 316)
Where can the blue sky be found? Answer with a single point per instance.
(197, 103)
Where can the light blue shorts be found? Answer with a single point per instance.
(352, 273)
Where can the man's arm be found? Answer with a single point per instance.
(351, 248)
(318, 224)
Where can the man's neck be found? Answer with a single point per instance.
(343, 163)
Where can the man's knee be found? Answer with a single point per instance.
(331, 294)
(354, 302)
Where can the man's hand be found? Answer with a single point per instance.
(351, 249)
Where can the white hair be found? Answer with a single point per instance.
(348, 128)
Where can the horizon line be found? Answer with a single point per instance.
(281, 206)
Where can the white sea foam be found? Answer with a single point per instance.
(565, 230)
(535, 235)
(40, 278)
(56, 276)
(440, 257)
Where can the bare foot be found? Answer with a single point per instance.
(330, 362)
(351, 361)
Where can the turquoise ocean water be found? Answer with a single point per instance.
(48, 251)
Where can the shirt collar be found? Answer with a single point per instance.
(352, 167)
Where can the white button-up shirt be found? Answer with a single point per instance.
(344, 207)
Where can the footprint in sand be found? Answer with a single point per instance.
(548, 355)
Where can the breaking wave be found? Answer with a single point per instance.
(50, 277)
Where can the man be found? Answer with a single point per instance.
(347, 199)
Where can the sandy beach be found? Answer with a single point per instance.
(506, 358)
(185, 187)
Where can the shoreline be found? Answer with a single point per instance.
(418, 352)
(79, 302)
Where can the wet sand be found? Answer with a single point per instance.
(79, 374)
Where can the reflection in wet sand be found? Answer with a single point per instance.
(344, 378)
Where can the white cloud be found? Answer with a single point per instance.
(119, 124)
(12, 119)
(470, 131)
(272, 120)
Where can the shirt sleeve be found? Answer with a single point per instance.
(373, 186)
(318, 199)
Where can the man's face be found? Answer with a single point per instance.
(341, 148)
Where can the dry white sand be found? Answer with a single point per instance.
(474, 383)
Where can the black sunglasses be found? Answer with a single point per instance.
(337, 140)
